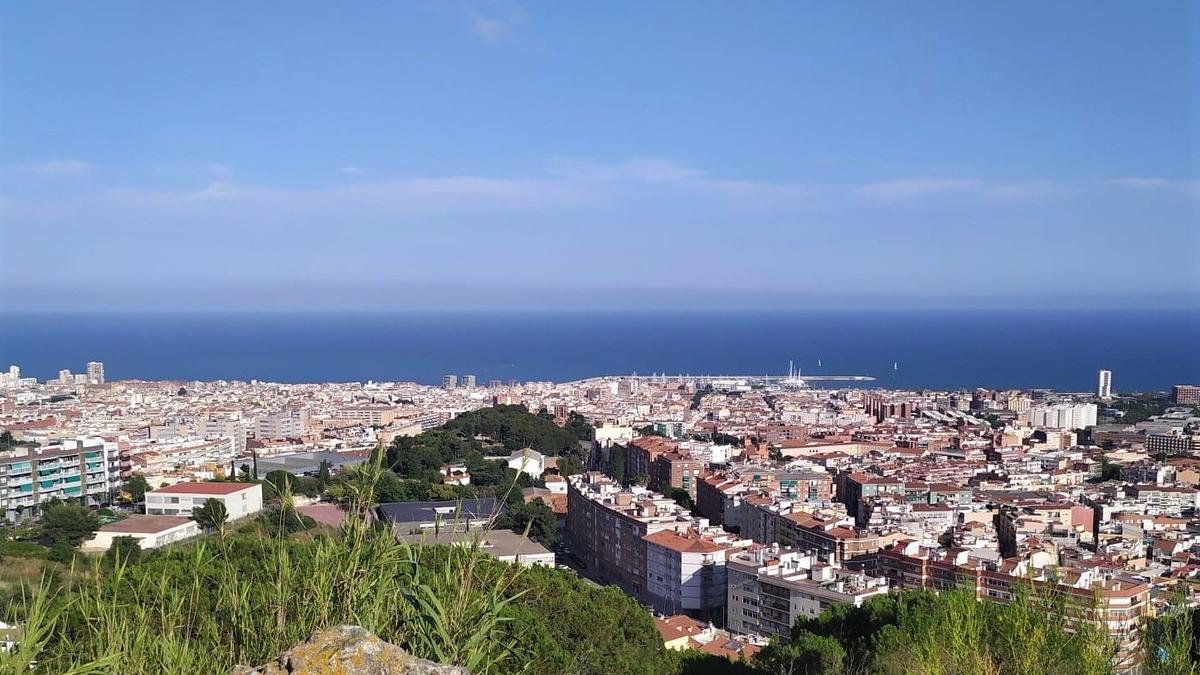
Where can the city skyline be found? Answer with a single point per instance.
(530, 156)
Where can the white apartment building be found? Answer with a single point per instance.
(282, 425)
(1063, 416)
(1104, 384)
(233, 429)
(610, 433)
(95, 372)
(685, 572)
(240, 499)
(770, 587)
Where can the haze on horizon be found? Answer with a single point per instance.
(525, 155)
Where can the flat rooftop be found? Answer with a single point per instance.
(139, 524)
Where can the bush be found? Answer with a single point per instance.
(61, 551)
(22, 549)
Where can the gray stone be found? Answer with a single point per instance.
(348, 650)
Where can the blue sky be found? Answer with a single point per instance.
(617, 155)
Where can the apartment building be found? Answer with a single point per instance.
(641, 453)
(1171, 444)
(854, 487)
(1167, 500)
(770, 587)
(240, 499)
(685, 571)
(675, 471)
(282, 425)
(1063, 416)
(1185, 394)
(831, 536)
(608, 526)
(84, 469)
(1117, 603)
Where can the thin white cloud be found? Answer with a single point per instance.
(638, 169)
(494, 21)
(220, 171)
(907, 188)
(351, 169)
(1186, 187)
(61, 167)
(650, 173)
(1021, 192)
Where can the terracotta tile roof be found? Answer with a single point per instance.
(204, 488)
(676, 542)
(675, 627)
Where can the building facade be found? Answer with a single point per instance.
(86, 470)
(240, 499)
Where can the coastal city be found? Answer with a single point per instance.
(730, 507)
(493, 337)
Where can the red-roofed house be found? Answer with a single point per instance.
(240, 499)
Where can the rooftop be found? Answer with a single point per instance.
(203, 488)
(139, 524)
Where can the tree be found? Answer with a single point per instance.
(570, 466)
(69, 523)
(579, 426)
(282, 520)
(323, 473)
(537, 517)
(804, 654)
(211, 516)
(278, 481)
(136, 487)
(616, 463)
(125, 550)
(683, 499)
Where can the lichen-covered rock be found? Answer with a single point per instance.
(348, 650)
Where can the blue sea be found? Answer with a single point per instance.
(1146, 350)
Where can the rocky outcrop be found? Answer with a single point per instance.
(348, 650)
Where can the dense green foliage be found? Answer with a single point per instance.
(462, 440)
(534, 519)
(616, 463)
(928, 633)
(1172, 644)
(1139, 407)
(67, 523)
(21, 549)
(123, 549)
(308, 486)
